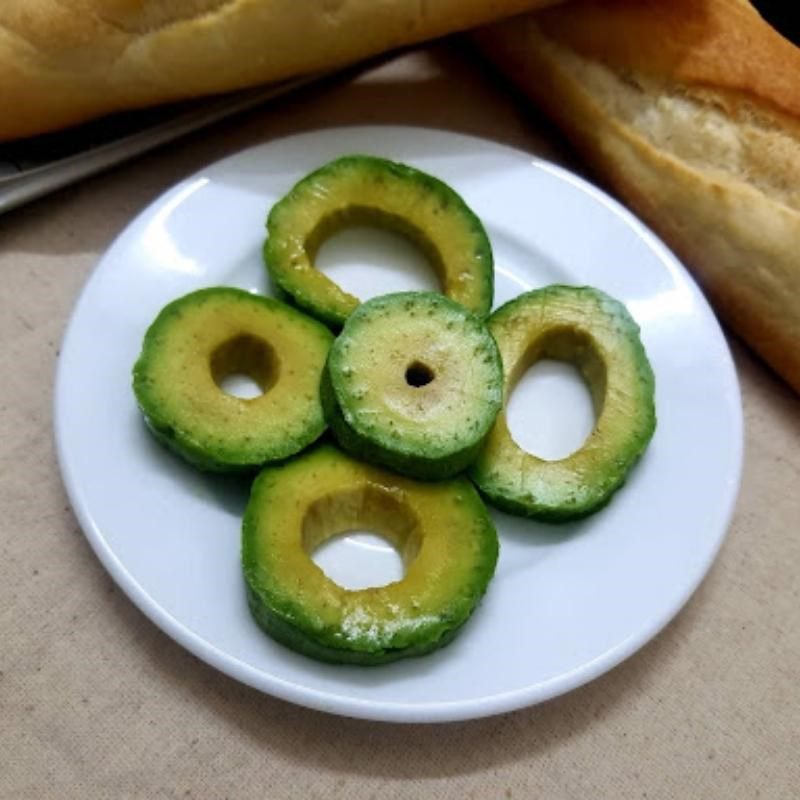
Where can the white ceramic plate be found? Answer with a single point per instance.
(567, 603)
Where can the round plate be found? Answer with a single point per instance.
(567, 603)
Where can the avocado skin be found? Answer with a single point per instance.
(506, 492)
(280, 616)
(404, 464)
(299, 300)
(182, 445)
(528, 508)
(279, 628)
(294, 289)
(180, 441)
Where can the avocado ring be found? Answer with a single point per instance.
(414, 383)
(596, 333)
(443, 531)
(200, 339)
(365, 190)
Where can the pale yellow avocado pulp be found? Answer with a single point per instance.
(447, 540)
(596, 333)
(365, 190)
(199, 340)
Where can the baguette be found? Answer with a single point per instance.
(66, 61)
(690, 111)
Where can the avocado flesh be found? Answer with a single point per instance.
(413, 382)
(596, 333)
(202, 338)
(364, 190)
(447, 540)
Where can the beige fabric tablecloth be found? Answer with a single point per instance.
(96, 702)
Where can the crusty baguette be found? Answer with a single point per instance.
(66, 61)
(690, 111)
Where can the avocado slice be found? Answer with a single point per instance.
(414, 383)
(596, 333)
(443, 531)
(200, 339)
(365, 190)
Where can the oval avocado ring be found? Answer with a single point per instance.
(365, 190)
(206, 336)
(414, 383)
(443, 531)
(595, 332)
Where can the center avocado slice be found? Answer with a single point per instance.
(365, 190)
(443, 531)
(595, 332)
(414, 383)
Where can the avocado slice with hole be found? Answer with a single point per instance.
(365, 190)
(414, 383)
(206, 336)
(595, 332)
(443, 531)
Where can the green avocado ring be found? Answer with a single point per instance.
(365, 190)
(448, 543)
(414, 383)
(596, 333)
(199, 340)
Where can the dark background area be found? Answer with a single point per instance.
(783, 15)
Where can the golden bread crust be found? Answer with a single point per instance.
(715, 170)
(724, 44)
(66, 61)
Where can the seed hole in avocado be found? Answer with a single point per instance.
(558, 395)
(244, 366)
(369, 254)
(550, 412)
(419, 374)
(359, 560)
(361, 538)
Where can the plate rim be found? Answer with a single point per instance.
(395, 711)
